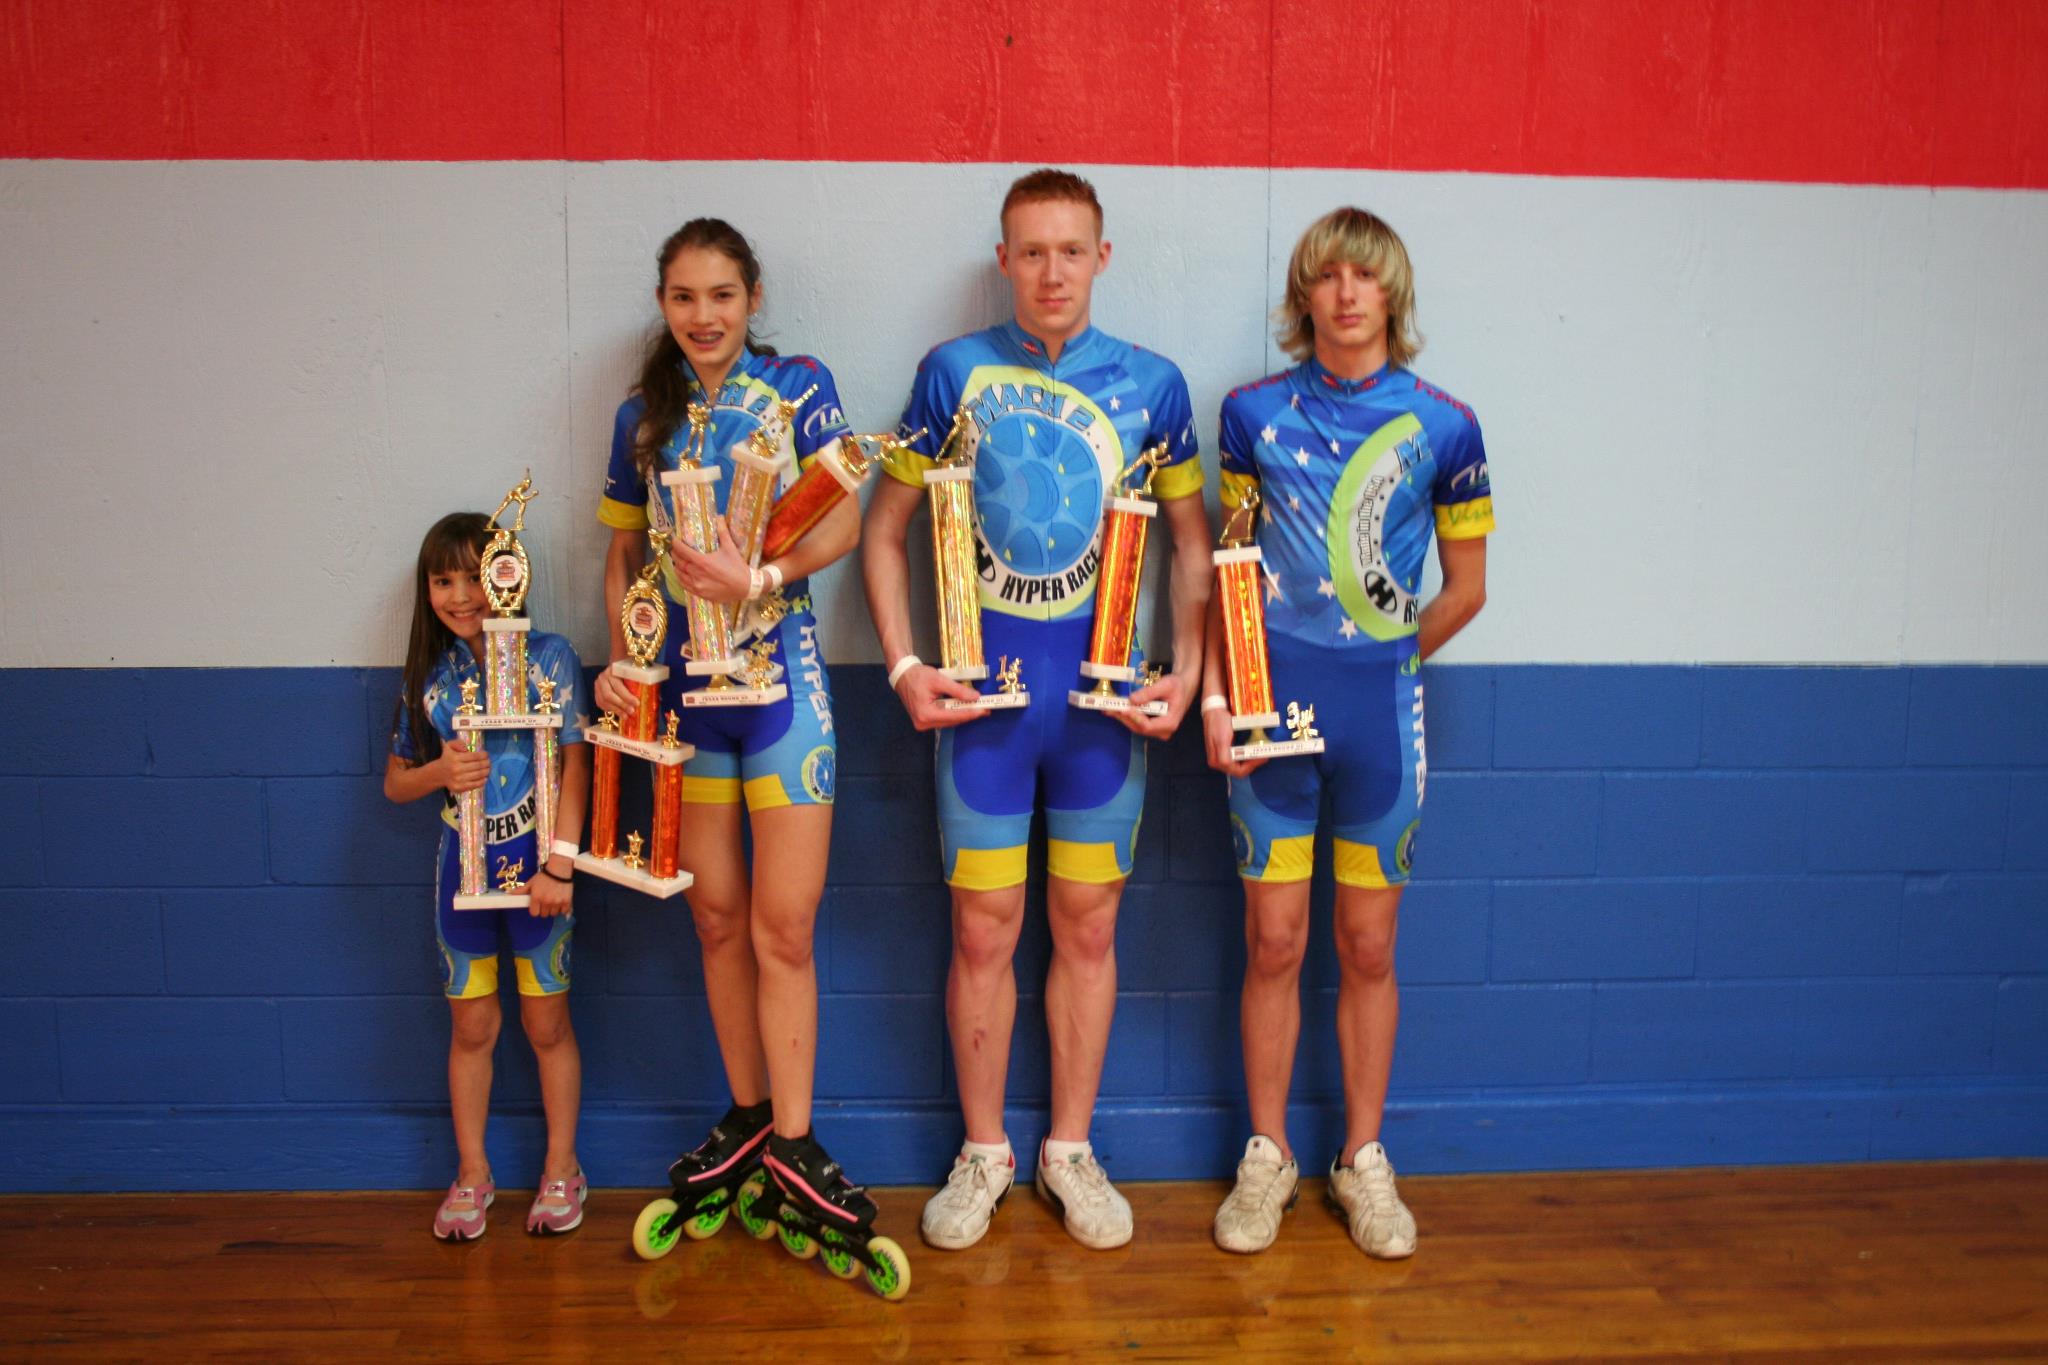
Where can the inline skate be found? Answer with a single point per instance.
(722, 1176)
(820, 1213)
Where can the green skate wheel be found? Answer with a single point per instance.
(795, 1242)
(890, 1274)
(837, 1258)
(712, 1212)
(656, 1230)
(758, 1226)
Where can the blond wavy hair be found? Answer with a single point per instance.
(1365, 240)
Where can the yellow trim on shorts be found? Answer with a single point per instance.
(1290, 859)
(483, 978)
(1464, 520)
(766, 792)
(1359, 865)
(711, 791)
(621, 516)
(988, 869)
(1095, 864)
(1234, 486)
(1178, 480)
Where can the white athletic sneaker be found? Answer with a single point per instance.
(1364, 1193)
(1096, 1215)
(1267, 1186)
(958, 1215)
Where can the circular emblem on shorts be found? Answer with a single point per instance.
(1241, 841)
(1404, 849)
(447, 971)
(558, 961)
(819, 773)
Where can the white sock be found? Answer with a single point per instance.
(1057, 1151)
(995, 1153)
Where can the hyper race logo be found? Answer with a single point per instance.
(1370, 519)
(1044, 456)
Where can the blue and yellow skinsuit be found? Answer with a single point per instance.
(1047, 440)
(469, 938)
(783, 753)
(1353, 476)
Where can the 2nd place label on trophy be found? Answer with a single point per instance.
(509, 722)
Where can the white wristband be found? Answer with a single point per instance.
(902, 666)
(1215, 701)
(771, 574)
(565, 848)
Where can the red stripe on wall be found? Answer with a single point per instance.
(1865, 91)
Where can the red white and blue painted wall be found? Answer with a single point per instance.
(1737, 847)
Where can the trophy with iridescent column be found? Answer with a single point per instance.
(643, 618)
(1241, 589)
(1126, 517)
(711, 652)
(507, 575)
(949, 490)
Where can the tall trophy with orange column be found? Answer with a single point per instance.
(1241, 588)
(507, 575)
(949, 489)
(643, 617)
(833, 477)
(712, 652)
(1126, 517)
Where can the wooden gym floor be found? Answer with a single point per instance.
(1847, 1263)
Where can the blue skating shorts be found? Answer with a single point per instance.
(470, 938)
(1369, 711)
(1089, 767)
(780, 754)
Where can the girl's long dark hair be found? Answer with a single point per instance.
(454, 542)
(664, 377)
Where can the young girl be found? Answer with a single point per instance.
(755, 932)
(447, 626)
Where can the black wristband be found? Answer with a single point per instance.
(545, 873)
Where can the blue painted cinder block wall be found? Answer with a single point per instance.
(1666, 915)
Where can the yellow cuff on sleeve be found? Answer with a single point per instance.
(1464, 520)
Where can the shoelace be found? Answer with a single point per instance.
(1256, 1188)
(1379, 1188)
(1095, 1188)
(966, 1182)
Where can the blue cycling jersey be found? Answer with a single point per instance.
(1350, 472)
(1048, 438)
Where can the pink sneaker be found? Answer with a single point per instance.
(559, 1206)
(461, 1215)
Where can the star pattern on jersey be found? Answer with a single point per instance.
(1273, 593)
(1116, 404)
(1333, 445)
(1269, 435)
(1301, 456)
(1348, 628)
(1326, 588)
(1294, 502)
(1294, 400)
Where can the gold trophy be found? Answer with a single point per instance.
(643, 617)
(949, 488)
(507, 574)
(711, 652)
(1126, 516)
(1241, 586)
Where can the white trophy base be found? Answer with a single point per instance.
(532, 720)
(714, 668)
(1095, 701)
(966, 672)
(1275, 748)
(615, 870)
(632, 672)
(493, 900)
(736, 696)
(653, 750)
(990, 701)
(508, 623)
(1113, 672)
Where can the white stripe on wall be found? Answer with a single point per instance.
(1729, 422)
